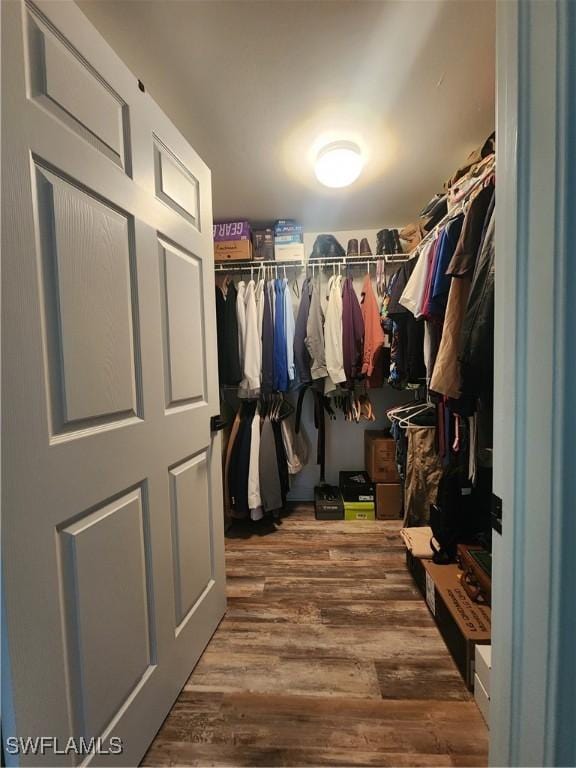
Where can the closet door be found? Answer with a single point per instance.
(113, 575)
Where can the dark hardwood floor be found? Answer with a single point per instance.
(327, 656)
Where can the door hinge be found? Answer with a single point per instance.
(496, 513)
(217, 423)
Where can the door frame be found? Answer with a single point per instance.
(533, 700)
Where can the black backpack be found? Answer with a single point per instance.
(461, 514)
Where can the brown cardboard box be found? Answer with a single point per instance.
(233, 250)
(462, 623)
(380, 456)
(388, 501)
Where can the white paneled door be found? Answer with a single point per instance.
(112, 533)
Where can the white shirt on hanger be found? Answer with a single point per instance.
(254, 498)
(252, 345)
(413, 294)
(241, 318)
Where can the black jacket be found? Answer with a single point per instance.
(477, 339)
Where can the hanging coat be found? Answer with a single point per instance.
(333, 332)
(315, 335)
(373, 334)
(302, 358)
(352, 332)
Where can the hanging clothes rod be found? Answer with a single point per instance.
(345, 261)
(246, 266)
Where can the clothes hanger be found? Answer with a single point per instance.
(286, 409)
(397, 411)
(405, 421)
(296, 286)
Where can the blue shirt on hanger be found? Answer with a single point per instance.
(280, 352)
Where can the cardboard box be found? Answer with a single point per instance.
(233, 250)
(263, 244)
(484, 665)
(289, 251)
(288, 227)
(389, 501)
(416, 567)
(293, 237)
(380, 456)
(482, 699)
(231, 230)
(359, 510)
(462, 623)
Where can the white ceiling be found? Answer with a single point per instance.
(253, 84)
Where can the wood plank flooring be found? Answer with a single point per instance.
(327, 656)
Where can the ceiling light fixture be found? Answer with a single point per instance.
(339, 164)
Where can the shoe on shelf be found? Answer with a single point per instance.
(352, 248)
(381, 242)
(390, 245)
(397, 243)
(365, 249)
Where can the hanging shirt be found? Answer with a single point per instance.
(239, 463)
(260, 313)
(441, 283)
(373, 333)
(333, 333)
(252, 348)
(280, 349)
(464, 258)
(432, 261)
(289, 328)
(233, 371)
(221, 334)
(281, 460)
(315, 334)
(302, 358)
(413, 293)
(294, 446)
(428, 307)
(270, 482)
(254, 498)
(408, 342)
(267, 340)
(352, 331)
(241, 317)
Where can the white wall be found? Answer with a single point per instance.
(344, 441)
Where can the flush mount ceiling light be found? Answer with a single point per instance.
(339, 164)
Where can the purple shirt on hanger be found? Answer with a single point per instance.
(352, 331)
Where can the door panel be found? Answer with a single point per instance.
(192, 547)
(87, 251)
(67, 86)
(113, 566)
(181, 277)
(174, 183)
(108, 607)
